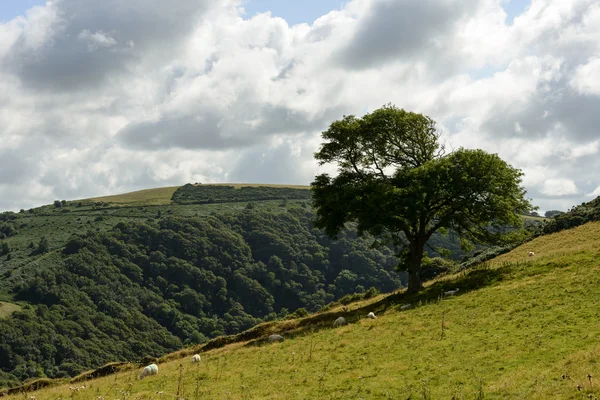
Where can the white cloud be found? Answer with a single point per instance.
(594, 193)
(97, 39)
(559, 187)
(96, 98)
(587, 77)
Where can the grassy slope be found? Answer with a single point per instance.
(159, 196)
(541, 219)
(530, 320)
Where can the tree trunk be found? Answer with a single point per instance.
(414, 281)
(414, 266)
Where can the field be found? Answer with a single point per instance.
(532, 218)
(7, 308)
(521, 327)
(148, 197)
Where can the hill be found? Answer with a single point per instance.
(520, 327)
(91, 281)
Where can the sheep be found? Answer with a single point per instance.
(451, 292)
(531, 254)
(151, 369)
(406, 306)
(371, 315)
(275, 338)
(339, 322)
(196, 358)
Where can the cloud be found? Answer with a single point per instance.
(98, 97)
(393, 30)
(559, 187)
(595, 193)
(75, 44)
(587, 78)
(284, 162)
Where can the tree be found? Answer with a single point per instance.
(4, 248)
(397, 183)
(43, 245)
(552, 213)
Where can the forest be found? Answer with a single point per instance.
(147, 288)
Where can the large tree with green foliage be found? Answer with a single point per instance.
(396, 182)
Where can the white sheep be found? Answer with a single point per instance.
(151, 369)
(276, 338)
(406, 306)
(339, 322)
(196, 358)
(531, 254)
(451, 292)
(371, 315)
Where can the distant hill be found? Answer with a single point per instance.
(576, 216)
(120, 277)
(162, 196)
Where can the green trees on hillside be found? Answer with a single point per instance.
(396, 181)
(211, 194)
(149, 288)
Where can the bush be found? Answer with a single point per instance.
(299, 313)
(43, 245)
(432, 267)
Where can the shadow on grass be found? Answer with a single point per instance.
(482, 276)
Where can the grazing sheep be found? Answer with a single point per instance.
(451, 292)
(275, 338)
(151, 369)
(339, 322)
(371, 315)
(404, 307)
(531, 254)
(196, 358)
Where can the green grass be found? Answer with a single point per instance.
(518, 324)
(8, 308)
(148, 197)
(530, 217)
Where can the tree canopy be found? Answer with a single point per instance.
(396, 181)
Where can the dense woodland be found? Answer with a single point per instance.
(147, 288)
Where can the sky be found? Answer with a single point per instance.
(98, 97)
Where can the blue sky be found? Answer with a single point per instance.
(12, 8)
(293, 11)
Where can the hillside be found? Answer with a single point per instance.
(521, 327)
(91, 281)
